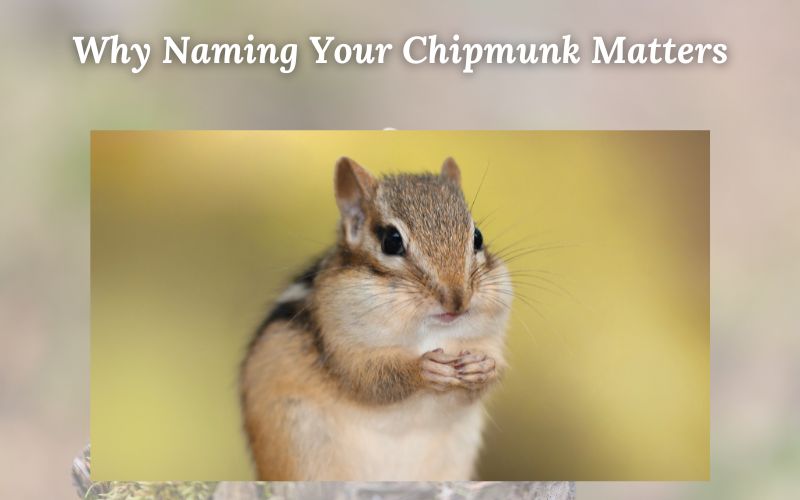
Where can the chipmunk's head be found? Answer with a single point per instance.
(414, 238)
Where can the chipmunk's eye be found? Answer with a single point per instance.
(392, 242)
(477, 240)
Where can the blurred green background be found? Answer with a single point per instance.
(50, 103)
(194, 232)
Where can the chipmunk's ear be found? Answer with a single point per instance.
(451, 172)
(354, 187)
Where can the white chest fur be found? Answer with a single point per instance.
(427, 437)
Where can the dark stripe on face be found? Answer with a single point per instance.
(351, 259)
(377, 271)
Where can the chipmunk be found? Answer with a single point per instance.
(373, 363)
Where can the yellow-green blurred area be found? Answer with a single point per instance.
(193, 234)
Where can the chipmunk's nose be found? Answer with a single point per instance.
(455, 300)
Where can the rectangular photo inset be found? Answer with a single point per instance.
(399, 305)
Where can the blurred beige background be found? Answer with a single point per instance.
(750, 105)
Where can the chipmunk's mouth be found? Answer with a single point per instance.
(448, 318)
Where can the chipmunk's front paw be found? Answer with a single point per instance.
(438, 371)
(475, 370)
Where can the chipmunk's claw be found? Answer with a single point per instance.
(438, 371)
(475, 370)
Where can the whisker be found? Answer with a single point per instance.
(485, 171)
